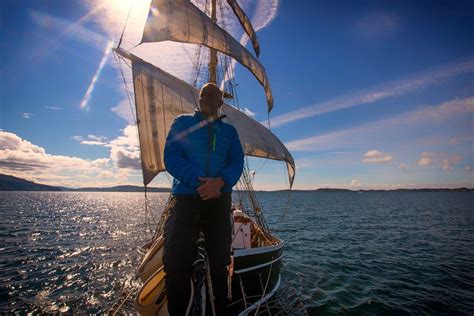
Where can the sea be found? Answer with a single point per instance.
(346, 253)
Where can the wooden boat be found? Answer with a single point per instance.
(160, 97)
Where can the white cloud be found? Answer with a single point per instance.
(403, 167)
(21, 158)
(124, 110)
(444, 160)
(97, 138)
(447, 164)
(467, 168)
(375, 156)
(26, 115)
(124, 150)
(53, 108)
(106, 174)
(91, 140)
(21, 155)
(355, 183)
(426, 159)
(93, 143)
(376, 93)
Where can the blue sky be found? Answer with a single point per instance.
(368, 94)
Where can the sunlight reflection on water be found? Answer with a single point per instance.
(372, 253)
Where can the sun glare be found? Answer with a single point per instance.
(123, 6)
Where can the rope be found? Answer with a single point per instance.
(285, 211)
(190, 297)
(117, 60)
(126, 21)
(242, 290)
(209, 288)
(266, 285)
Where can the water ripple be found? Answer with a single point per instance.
(345, 253)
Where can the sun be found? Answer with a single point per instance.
(123, 6)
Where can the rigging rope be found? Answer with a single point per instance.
(126, 21)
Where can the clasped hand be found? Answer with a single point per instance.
(210, 188)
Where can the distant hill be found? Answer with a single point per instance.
(119, 188)
(10, 183)
(374, 190)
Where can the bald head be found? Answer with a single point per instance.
(210, 99)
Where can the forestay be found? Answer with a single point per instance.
(182, 21)
(161, 97)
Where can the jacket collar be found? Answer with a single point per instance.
(200, 117)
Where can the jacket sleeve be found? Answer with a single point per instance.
(232, 172)
(175, 161)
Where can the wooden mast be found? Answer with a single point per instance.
(213, 59)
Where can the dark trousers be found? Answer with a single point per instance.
(187, 215)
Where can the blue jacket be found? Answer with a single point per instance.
(195, 148)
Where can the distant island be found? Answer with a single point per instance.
(11, 183)
(379, 190)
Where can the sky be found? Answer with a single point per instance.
(368, 94)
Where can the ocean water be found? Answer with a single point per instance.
(373, 253)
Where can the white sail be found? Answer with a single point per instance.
(160, 97)
(182, 21)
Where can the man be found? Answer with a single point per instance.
(205, 158)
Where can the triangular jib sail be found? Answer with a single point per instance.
(161, 97)
(182, 21)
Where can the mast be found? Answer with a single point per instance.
(213, 59)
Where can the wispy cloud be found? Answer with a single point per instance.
(90, 89)
(377, 93)
(438, 113)
(426, 159)
(55, 108)
(377, 24)
(64, 28)
(92, 140)
(26, 115)
(441, 160)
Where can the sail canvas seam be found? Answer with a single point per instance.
(152, 119)
(145, 125)
(164, 110)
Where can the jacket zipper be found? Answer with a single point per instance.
(210, 128)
